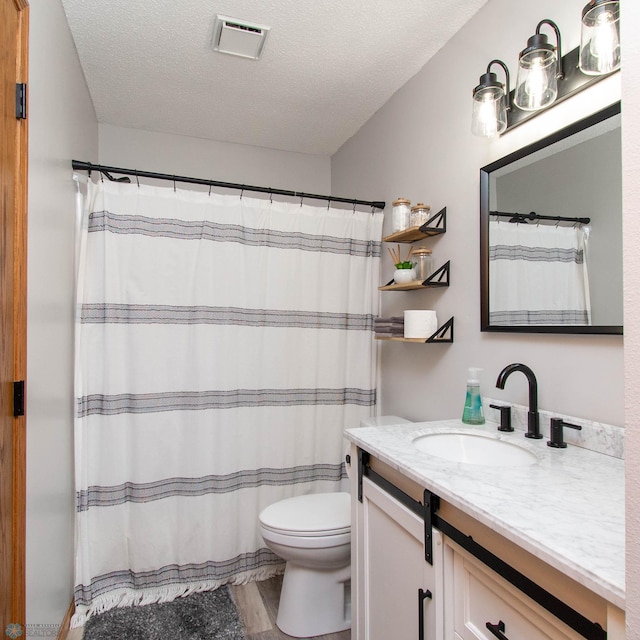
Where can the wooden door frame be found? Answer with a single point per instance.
(18, 605)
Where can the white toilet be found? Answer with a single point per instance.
(313, 534)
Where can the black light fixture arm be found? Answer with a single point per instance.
(107, 171)
(507, 80)
(554, 26)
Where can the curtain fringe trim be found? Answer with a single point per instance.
(135, 597)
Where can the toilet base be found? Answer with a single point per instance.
(314, 602)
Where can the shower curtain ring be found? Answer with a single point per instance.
(354, 207)
(301, 200)
(137, 179)
(174, 184)
(328, 204)
(270, 196)
(210, 185)
(241, 192)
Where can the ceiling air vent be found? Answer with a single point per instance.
(239, 38)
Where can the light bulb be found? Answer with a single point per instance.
(536, 83)
(605, 42)
(487, 117)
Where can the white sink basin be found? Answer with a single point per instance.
(471, 448)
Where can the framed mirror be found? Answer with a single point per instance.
(551, 233)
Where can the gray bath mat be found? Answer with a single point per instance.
(210, 615)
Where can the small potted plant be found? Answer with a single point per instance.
(405, 271)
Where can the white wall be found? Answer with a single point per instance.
(419, 145)
(631, 207)
(208, 159)
(62, 126)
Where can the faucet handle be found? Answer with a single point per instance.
(505, 416)
(557, 434)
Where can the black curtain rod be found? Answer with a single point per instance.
(523, 217)
(107, 171)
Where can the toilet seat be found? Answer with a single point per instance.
(306, 534)
(305, 542)
(313, 515)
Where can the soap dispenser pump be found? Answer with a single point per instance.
(473, 413)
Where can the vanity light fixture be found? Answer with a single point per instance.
(545, 76)
(539, 69)
(491, 101)
(600, 37)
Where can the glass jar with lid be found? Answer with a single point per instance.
(419, 214)
(424, 262)
(400, 216)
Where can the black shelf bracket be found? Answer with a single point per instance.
(440, 277)
(435, 224)
(443, 334)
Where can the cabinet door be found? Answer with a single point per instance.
(479, 596)
(394, 571)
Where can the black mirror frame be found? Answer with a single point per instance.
(573, 128)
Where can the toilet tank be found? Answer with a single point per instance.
(381, 421)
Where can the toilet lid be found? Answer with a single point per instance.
(310, 515)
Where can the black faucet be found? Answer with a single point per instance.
(533, 419)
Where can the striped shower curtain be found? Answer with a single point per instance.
(223, 343)
(538, 274)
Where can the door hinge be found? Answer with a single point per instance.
(21, 100)
(18, 398)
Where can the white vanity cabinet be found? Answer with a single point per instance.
(396, 593)
(407, 541)
(478, 597)
(400, 592)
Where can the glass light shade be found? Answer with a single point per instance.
(600, 38)
(489, 116)
(537, 84)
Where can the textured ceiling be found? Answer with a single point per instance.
(327, 66)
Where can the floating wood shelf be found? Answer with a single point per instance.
(420, 340)
(443, 335)
(439, 278)
(434, 226)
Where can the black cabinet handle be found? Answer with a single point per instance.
(423, 594)
(497, 630)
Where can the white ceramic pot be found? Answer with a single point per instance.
(402, 276)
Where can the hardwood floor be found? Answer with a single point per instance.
(257, 604)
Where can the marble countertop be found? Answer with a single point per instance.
(567, 509)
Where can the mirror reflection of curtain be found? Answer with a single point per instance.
(538, 274)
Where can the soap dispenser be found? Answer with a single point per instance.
(473, 413)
